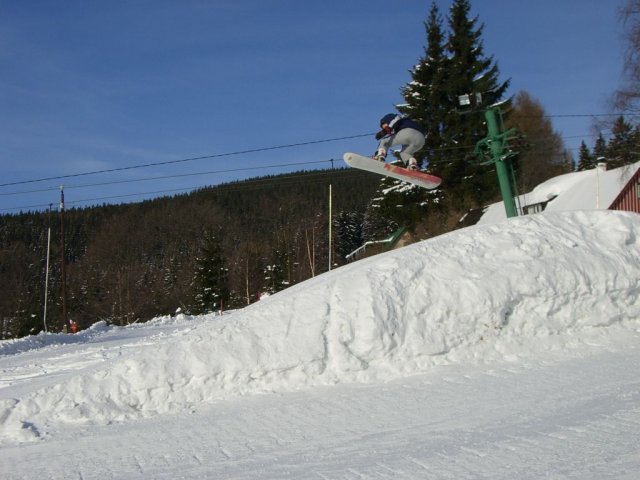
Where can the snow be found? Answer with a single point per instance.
(505, 350)
(593, 189)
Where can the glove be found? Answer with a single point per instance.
(380, 134)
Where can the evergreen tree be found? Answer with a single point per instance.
(406, 205)
(586, 160)
(275, 278)
(377, 223)
(425, 95)
(600, 148)
(349, 235)
(623, 144)
(211, 280)
(446, 71)
(469, 72)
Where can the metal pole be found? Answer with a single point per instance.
(501, 166)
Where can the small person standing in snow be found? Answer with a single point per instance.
(399, 130)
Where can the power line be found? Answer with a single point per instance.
(444, 149)
(264, 149)
(191, 159)
(211, 172)
(28, 207)
(243, 185)
(582, 115)
(163, 177)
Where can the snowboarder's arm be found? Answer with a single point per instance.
(382, 133)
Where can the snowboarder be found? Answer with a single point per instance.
(399, 130)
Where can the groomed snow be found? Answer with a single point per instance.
(504, 309)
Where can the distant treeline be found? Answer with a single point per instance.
(128, 263)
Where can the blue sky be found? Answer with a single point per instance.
(88, 86)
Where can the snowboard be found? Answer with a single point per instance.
(415, 177)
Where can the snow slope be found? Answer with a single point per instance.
(530, 299)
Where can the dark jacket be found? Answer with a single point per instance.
(397, 123)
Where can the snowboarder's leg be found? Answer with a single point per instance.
(383, 147)
(412, 141)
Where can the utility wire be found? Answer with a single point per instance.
(182, 160)
(227, 187)
(211, 172)
(452, 148)
(163, 177)
(265, 149)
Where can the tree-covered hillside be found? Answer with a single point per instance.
(130, 262)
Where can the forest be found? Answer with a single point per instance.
(225, 246)
(218, 247)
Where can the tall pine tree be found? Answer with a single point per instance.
(447, 71)
(470, 72)
(426, 95)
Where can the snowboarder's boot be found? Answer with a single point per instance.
(380, 155)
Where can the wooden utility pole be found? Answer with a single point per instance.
(330, 225)
(46, 277)
(63, 288)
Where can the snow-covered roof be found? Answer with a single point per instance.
(594, 189)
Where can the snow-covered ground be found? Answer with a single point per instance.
(507, 350)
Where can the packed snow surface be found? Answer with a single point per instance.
(535, 291)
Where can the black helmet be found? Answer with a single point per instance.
(387, 118)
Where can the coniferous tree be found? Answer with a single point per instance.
(469, 72)
(211, 280)
(623, 144)
(426, 95)
(600, 148)
(275, 278)
(426, 103)
(377, 223)
(349, 235)
(447, 70)
(586, 160)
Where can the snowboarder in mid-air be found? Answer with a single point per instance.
(396, 130)
(399, 130)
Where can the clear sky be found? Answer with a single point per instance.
(88, 86)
